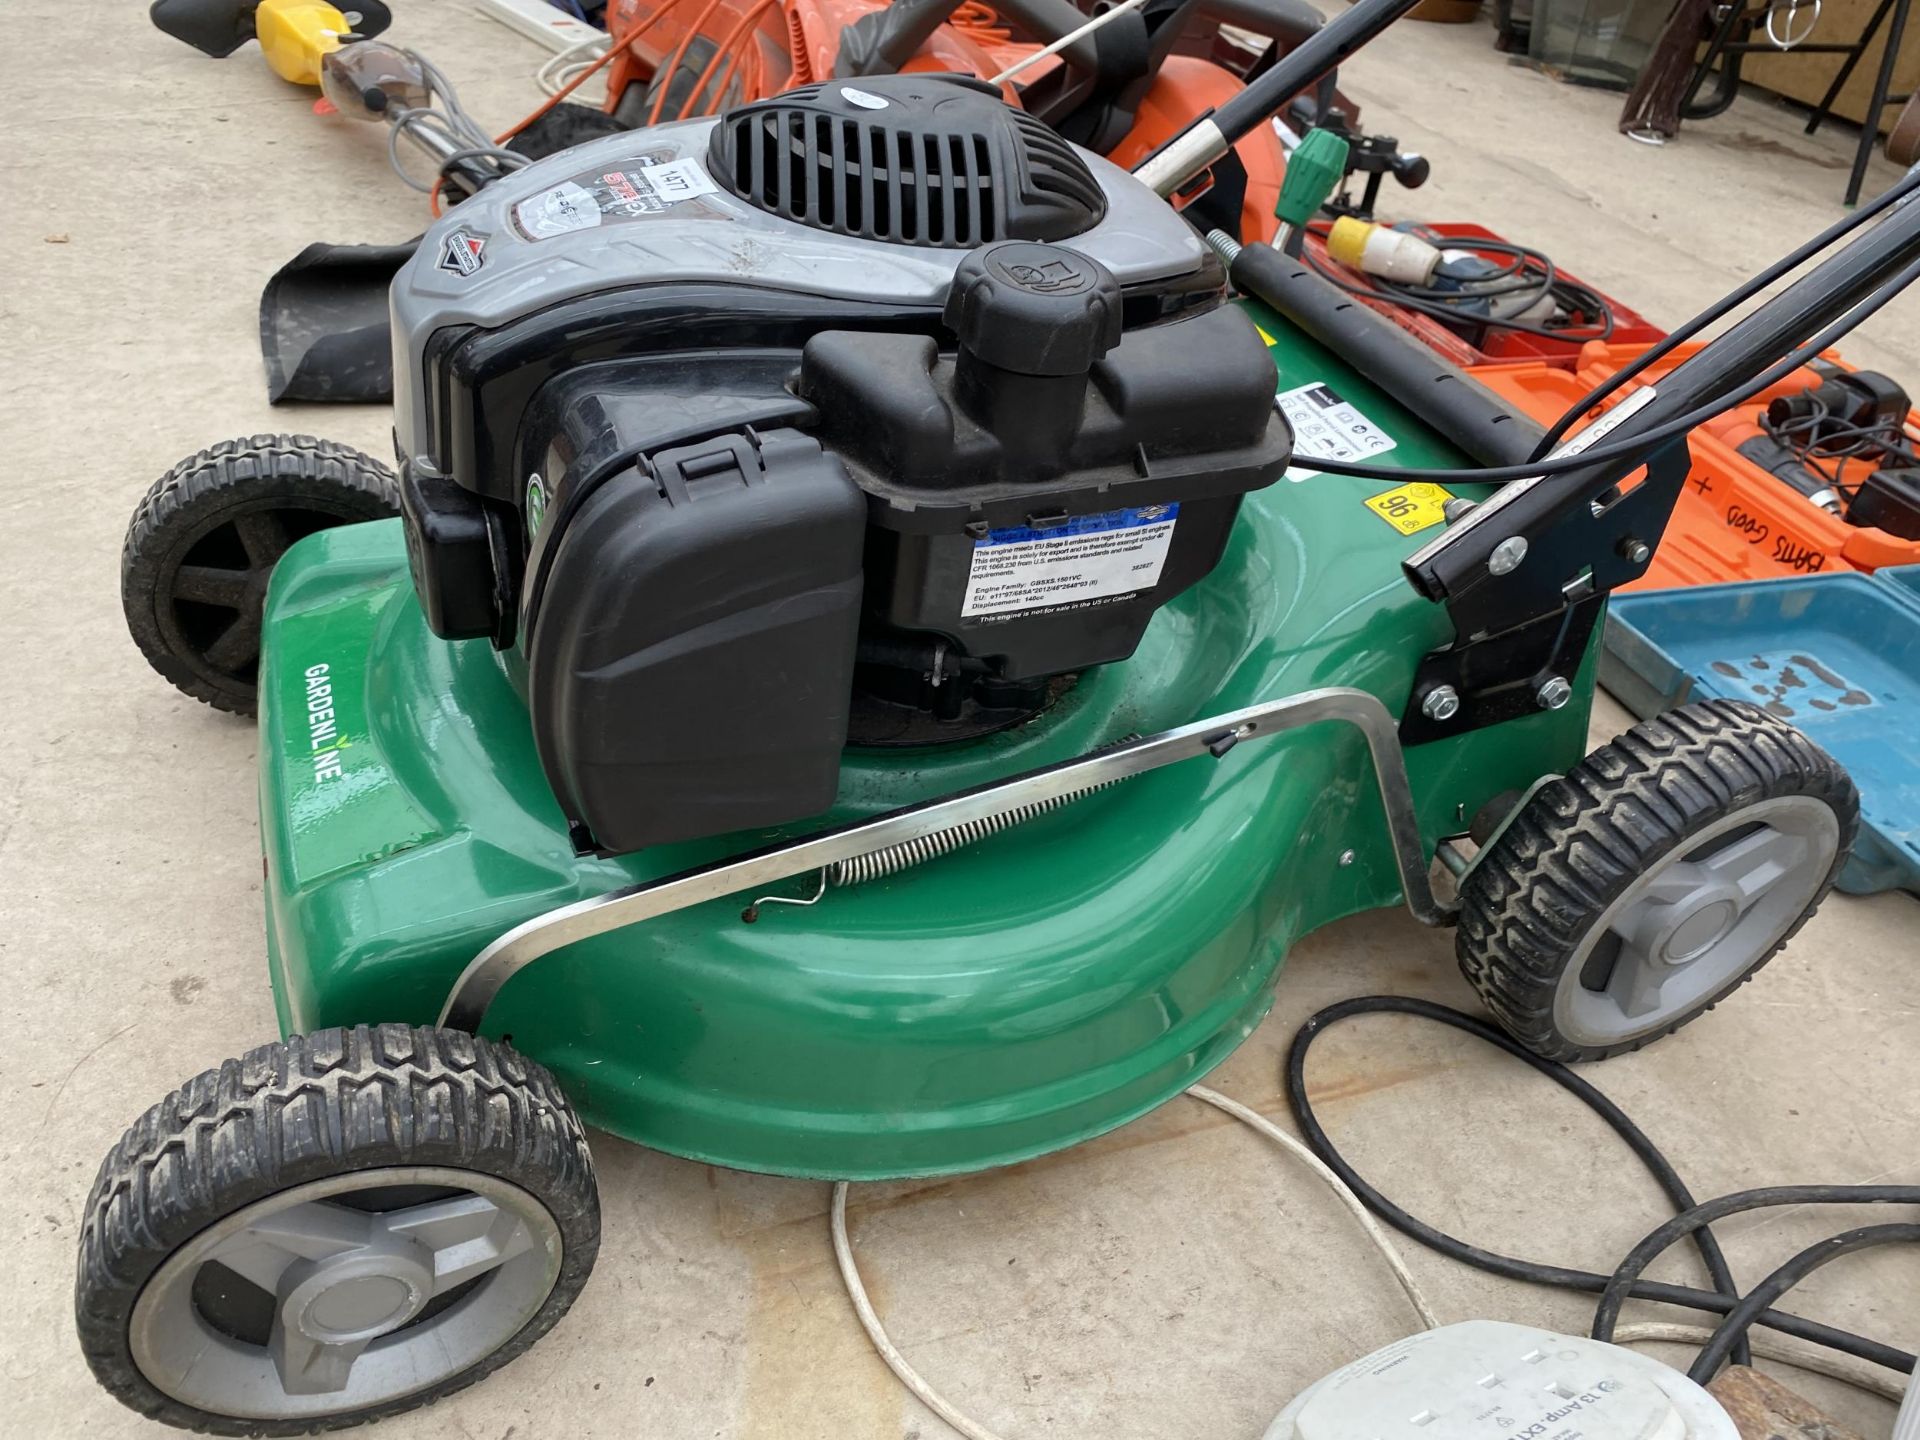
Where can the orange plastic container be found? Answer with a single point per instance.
(1600, 359)
(1498, 347)
(1541, 390)
(1734, 520)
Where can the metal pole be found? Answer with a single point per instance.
(1207, 138)
(1870, 129)
(1825, 107)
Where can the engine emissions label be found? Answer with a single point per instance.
(599, 197)
(1326, 427)
(1088, 558)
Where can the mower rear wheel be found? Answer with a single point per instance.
(678, 85)
(332, 1229)
(1658, 876)
(203, 543)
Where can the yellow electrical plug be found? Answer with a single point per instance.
(1380, 250)
(297, 35)
(1347, 240)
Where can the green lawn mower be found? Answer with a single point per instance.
(877, 663)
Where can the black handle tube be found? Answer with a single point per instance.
(1817, 301)
(1442, 396)
(1211, 135)
(880, 42)
(1306, 63)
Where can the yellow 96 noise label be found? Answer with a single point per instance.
(1411, 508)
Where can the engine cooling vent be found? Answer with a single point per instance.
(930, 160)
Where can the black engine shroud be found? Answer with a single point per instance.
(731, 528)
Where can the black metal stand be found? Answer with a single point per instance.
(1740, 19)
(1882, 82)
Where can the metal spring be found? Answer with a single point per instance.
(892, 859)
(879, 864)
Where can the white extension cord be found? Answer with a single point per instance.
(1855, 1373)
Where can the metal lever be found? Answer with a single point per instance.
(466, 1006)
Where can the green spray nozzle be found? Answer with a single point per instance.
(1313, 171)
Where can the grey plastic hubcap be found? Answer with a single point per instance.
(348, 1288)
(1696, 921)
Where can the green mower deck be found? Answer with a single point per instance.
(1022, 994)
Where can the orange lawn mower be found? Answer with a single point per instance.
(1120, 83)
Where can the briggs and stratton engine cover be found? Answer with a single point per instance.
(851, 456)
(630, 245)
(946, 165)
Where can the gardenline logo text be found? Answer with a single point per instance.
(323, 726)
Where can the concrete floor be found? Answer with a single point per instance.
(1176, 1279)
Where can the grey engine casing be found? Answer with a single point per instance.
(711, 236)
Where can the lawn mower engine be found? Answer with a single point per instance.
(865, 415)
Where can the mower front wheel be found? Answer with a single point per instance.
(1652, 881)
(343, 1226)
(204, 540)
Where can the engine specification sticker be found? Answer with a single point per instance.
(1087, 559)
(602, 196)
(1328, 428)
(560, 211)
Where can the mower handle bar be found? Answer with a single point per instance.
(474, 992)
(1210, 136)
(1820, 299)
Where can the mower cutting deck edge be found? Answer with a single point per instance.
(869, 683)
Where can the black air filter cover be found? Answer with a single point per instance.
(931, 160)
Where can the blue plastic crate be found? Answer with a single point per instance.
(1838, 655)
(1905, 578)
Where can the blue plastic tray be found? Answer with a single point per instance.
(1838, 655)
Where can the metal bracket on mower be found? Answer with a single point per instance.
(473, 993)
(1526, 623)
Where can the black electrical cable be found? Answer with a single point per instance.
(1449, 305)
(1731, 1331)
(1858, 441)
(1818, 436)
(1723, 1301)
(1726, 304)
(1688, 1222)
(1641, 445)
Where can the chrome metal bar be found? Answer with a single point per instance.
(1105, 17)
(506, 957)
(1208, 137)
(1183, 157)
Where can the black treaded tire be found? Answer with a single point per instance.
(309, 1108)
(204, 540)
(637, 103)
(1584, 839)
